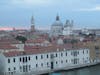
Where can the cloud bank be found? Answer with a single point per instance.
(96, 8)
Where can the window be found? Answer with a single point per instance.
(61, 61)
(75, 53)
(61, 54)
(56, 62)
(83, 51)
(87, 58)
(41, 56)
(24, 68)
(26, 59)
(87, 51)
(8, 60)
(71, 53)
(8, 69)
(29, 58)
(20, 69)
(42, 64)
(9, 73)
(75, 61)
(29, 67)
(13, 59)
(23, 59)
(47, 64)
(20, 59)
(66, 53)
(83, 59)
(14, 68)
(78, 52)
(72, 60)
(36, 57)
(47, 56)
(36, 65)
(56, 55)
(66, 61)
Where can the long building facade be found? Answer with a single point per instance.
(22, 62)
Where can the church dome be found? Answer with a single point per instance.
(57, 22)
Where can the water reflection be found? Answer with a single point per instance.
(95, 70)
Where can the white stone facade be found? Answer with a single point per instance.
(43, 61)
(58, 28)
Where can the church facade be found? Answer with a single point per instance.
(58, 28)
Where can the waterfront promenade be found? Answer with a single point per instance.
(47, 72)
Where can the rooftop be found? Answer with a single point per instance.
(30, 50)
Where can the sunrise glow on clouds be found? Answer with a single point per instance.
(10, 28)
(6, 28)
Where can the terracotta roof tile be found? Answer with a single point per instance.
(35, 41)
(7, 47)
(39, 49)
(4, 41)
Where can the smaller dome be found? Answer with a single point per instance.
(68, 23)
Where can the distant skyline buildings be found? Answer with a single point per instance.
(17, 13)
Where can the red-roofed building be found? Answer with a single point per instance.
(7, 45)
(39, 42)
(42, 58)
(7, 48)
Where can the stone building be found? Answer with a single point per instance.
(57, 27)
(68, 28)
(42, 59)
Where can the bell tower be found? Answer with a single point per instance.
(32, 24)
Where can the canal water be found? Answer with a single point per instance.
(94, 70)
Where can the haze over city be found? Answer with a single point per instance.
(17, 13)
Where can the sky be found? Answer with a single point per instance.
(17, 13)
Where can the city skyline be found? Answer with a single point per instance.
(17, 13)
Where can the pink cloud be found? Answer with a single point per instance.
(6, 28)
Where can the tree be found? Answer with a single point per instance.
(73, 41)
(21, 38)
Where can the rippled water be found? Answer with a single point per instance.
(95, 70)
